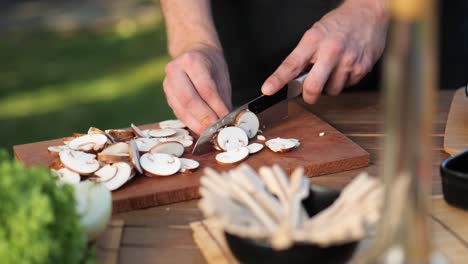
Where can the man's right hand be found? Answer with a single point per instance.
(197, 87)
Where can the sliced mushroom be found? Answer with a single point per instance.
(261, 137)
(135, 156)
(281, 144)
(120, 135)
(55, 150)
(145, 144)
(254, 148)
(76, 135)
(94, 130)
(55, 164)
(161, 133)
(67, 176)
(138, 132)
(233, 156)
(230, 138)
(160, 164)
(79, 162)
(87, 143)
(115, 153)
(171, 147)
(188, 164)
(115, 175)
(172, 124)
(296, 141)
(249, 122)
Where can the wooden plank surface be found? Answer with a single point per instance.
(330, 153)
(456, 133)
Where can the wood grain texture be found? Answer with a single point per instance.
(456, 130)
(331, 153)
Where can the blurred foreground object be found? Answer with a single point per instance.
(38, 220)
(410, 85)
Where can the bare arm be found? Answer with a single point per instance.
(197, 83)
(343, 46)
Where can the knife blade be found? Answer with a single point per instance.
(267, 108)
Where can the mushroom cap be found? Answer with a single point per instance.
(88, 142)
(188, 164)
(174, 148)
(230, 138)
(138, 132)
(145, 144)
(79, 162)
(254, 148)
(281, 144)
(249, 122)
(233, 156)
(121, 174)
(135, 156)
(160, 164)
(67, 176)
(55, 150)
(162, 132)
(172, 124)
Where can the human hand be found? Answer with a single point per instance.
(343, 46)
(197, 87)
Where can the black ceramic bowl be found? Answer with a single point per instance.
(252, 251)
(454, 173)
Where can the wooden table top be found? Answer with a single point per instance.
(162, 234)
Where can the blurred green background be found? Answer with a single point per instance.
(68, 65)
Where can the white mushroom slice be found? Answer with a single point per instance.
(95, 130)
(117, 176)
(67, 176)
(93, 142)
(55, 150)
(186, 142)
(261, 137)
(230, 138)
(249, 122)
(79, 162)
(115, 153)
(233, 156)
(160, 164)
(135, 156)
(138, 132)
(120, 135)
(171, 147)
(145, 144)
(172, 124)
(188, 165)
(296, 141)
(254, 148)
(160, 133)
(281, 144)
(106, 173)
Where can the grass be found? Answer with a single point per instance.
(52, 85)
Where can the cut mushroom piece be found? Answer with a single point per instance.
(231, 138)
(120, 135)
(138, 132)
(248, 121)
(172, 124)
(254, 148)
(67, 176)
(296, 141)
(135, 156)
(145, 144)
(261, 137)
(55, 150)
(115, 175)
(95, 130)
(233, 156)
(174, 148)
(188, 165)
(87, 143)
(161, 133)
(115, 153)
(160, 164)
(79, 162)
(56, 164)
(281, 144)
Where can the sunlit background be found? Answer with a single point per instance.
(66, 65)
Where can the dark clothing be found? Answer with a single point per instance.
(257, 35)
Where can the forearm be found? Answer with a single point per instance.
(379, 8)
(189, 25)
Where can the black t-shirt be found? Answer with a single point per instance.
(257, 35)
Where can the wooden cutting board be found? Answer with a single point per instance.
(456, 130)
(330, 153)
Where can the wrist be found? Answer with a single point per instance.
(380, 9)
(181, 48)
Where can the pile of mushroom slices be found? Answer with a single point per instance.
(234, 140)
(267, 206)
(113, 157)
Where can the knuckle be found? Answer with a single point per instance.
(335, 47)
(171, 68)
(348, 60)
(290, 65)
(191, 58)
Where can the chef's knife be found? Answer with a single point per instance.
(267, 108)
